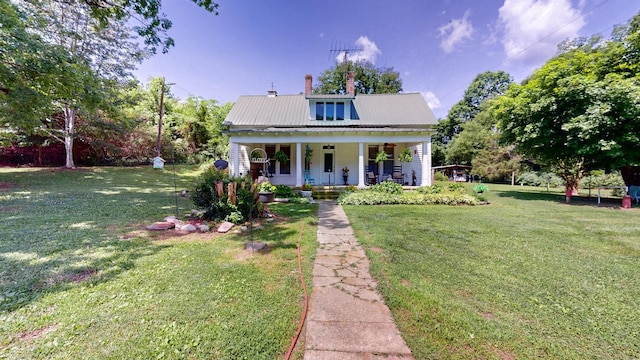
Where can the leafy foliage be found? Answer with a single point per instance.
(220, 207)
(389, 187)
(579, 111)
(452, 194)
(284, 191)
(368, 79)
(533, 178)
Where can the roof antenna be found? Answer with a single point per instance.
(340, 49)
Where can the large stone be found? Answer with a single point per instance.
(225, 227)
(172, 219)
(189, 228)
(204, 228)
(163, 225)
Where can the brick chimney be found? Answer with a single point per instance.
(308, 82)
(351, 89)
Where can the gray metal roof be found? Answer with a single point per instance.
(395, 110)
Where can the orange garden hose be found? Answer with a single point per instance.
(306, 300)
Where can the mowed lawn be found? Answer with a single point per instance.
(525, 277)
(80, 277)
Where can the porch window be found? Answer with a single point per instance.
(285, 167)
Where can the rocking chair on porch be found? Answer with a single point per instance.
(308, 179)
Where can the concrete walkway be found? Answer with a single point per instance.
(347, 317)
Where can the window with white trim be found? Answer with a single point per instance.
(328, 111)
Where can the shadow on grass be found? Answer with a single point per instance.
(576, 200)
(35, 271)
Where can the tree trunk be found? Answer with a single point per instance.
(69, 123)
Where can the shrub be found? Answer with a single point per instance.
(284, 191)
(480, 188)
(388, 187)
(532, 178)
(439, 176)
(266, 186)
(369, 197)
(433, 189)
(219, 207)
(456, 187)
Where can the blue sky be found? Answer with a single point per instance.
(438, 47)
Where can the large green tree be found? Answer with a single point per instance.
(485, 86)
(368, 79)
(93, 60)
(581, 110)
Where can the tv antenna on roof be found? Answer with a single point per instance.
(340, 49)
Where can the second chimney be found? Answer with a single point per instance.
(308, 82)
(351, 89)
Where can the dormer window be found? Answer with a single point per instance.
(329, 111)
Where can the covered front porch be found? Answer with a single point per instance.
(333, 160)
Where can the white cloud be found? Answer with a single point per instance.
(432, 99)
(533, 28)
(369, 51)
(455, 32)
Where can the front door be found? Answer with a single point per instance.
(329, 170)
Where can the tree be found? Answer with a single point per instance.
(368, 79)
(485, 86)
(580, 111)
(148, 13)
(94, 59)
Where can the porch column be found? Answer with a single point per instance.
(426, 163)
(234, 157)
(361, 171)
(298, 164)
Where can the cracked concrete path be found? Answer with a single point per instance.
(347, 318)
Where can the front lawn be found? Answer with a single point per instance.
(80, 277)
(525, 277)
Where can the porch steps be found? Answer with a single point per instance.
(328, 192)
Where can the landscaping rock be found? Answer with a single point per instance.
(225, 227)
(172, 219)
(189, 228)
(204, 228)
(244, 228)
(163, 225)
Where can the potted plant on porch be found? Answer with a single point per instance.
(306, 191)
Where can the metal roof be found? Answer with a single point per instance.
(395, 110)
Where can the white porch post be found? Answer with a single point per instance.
(298, 164)
(234, 157)
(361, 171)
(426, 162)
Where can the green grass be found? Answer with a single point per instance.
(81, 278)
(525, 277)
